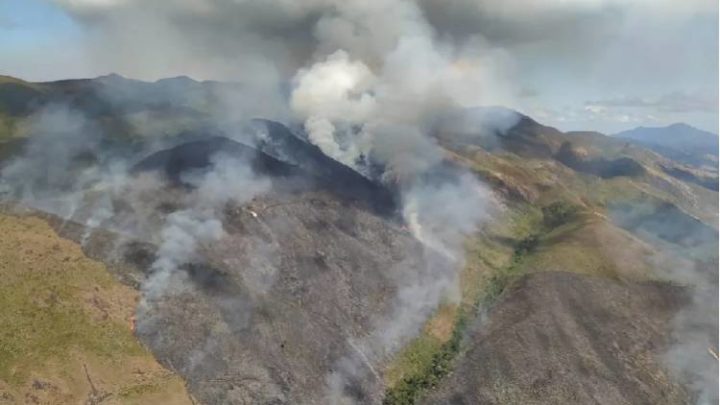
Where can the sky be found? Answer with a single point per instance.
(603, 65)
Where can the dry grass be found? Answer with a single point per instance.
(64, 314)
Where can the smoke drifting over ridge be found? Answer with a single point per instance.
(100, 188)
(365, 80)
(366, 91)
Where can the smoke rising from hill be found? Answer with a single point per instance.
(366, 80)
(97, 188)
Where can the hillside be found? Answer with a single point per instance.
(679, 141)
(267, 272)
(66, 323)
(565, 338)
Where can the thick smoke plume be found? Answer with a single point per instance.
(367, 81)
(367, 91)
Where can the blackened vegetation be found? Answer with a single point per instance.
(291, 147)
(140, 255)
(605, 168)
(290, 159)
(666, 224)
(229, 297)
(709, 182)
(176, 162)
(559, 213)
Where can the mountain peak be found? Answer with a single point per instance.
(180, 79)
(681, 126)
(111, 76)
(675, 127)
(678, 141)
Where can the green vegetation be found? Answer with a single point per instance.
(63, 312)
(559, 213)
(431, 365)
(504, 278)
(44, 314)
(495, 260)
(8, 127)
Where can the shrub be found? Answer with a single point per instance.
(559, 213)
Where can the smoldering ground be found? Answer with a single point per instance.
(66, 170)
(364, 81)
(186, 222)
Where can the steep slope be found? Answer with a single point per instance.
(66, 327)
(631, 172)
(625, 227)
(565, 338)
(306, 281)
(296, 161)
(285, 293)
(301, 277)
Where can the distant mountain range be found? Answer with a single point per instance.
(679, 141)
(569, 293)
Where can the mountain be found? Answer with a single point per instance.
(679, 141)
(268, 272)
(502, 365)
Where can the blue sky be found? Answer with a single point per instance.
(32, 22)
(40, 41)
(654, 65)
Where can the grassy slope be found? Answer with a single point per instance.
(526, 240)
(13, 95)
(66, 322)
(521, 242)
(492, 260)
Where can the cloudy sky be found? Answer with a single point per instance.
(603, 65)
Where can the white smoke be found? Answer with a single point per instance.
(65, 170)
(335, 87)
(368, 80)
(442, 215)
(692, 356)
(59, 156)
(399, 87)
(183, 233)
(686, 256)
(379, 80)
(229, 180)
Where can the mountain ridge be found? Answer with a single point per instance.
(677, 141)
(298, 277)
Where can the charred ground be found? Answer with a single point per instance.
(564, 297)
